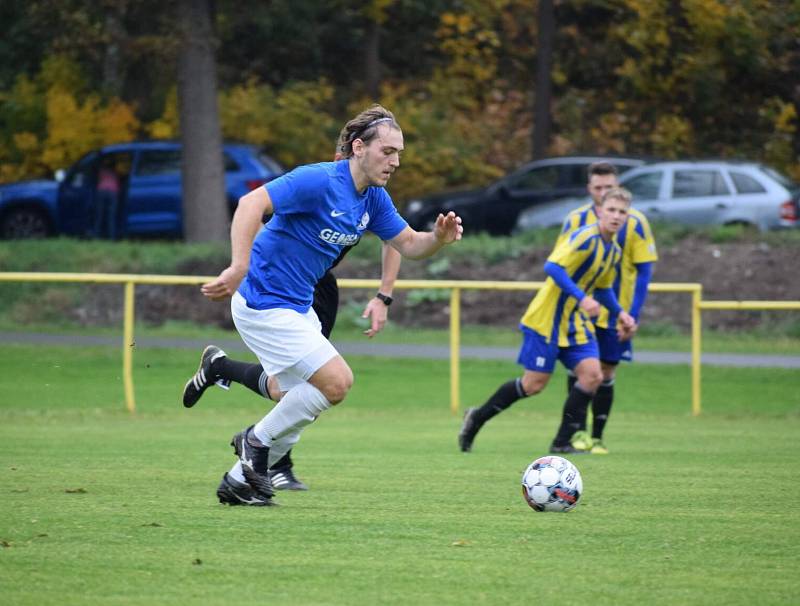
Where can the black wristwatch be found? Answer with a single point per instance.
(387, 301)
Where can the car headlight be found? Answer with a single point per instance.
(414, 206)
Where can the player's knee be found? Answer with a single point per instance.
(274, 389)
(591, 380)
(337, 387)
(609, 370)
(533, 385)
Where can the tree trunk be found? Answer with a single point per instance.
(544, 86)
(372, 60)
(112, 76)
(205, 209)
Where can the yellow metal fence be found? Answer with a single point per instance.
(455, 286)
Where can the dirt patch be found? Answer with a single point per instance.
(727, 271)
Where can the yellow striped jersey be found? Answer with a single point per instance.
(635, 238)
(589, 261)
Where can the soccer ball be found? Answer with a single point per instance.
(552, 484)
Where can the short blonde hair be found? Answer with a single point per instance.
(617, 193)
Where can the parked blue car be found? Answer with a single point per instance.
(147, 200)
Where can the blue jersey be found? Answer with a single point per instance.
(316, 212)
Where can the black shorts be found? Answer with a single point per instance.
(326, 302)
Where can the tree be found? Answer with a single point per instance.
(543, 92)
(205, 212)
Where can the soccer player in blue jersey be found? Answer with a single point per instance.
(216, 367)
(557, 324)
(634, 270)
(317, 209)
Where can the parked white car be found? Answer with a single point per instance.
(695, 193)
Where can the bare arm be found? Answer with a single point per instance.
(376, 310)
(421, 244)
(244, 227)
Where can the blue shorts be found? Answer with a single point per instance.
(612, 350)
(540, 356)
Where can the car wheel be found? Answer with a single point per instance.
(21, 223)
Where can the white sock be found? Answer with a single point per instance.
(299, 407)
(282, 445)
(236, 473)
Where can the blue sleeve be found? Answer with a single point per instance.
(299, 190)
(607, 298)
(643, 275)
(385, 221)
(565, 283)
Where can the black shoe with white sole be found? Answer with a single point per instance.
(254, 457)
(566, 449)
(203, 378)
(232, 492)
(284, 479)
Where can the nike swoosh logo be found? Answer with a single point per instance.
(336, 213)
(245, 461)
(248, 501)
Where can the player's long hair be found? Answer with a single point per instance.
(365, 127)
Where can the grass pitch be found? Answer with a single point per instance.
(101, 507)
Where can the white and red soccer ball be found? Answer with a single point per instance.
(552, 484)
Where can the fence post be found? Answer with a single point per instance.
(128, 344)
(455, 349)
(697, 295)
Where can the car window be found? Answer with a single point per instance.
(270, 163)
(645, 186)
(159, 162)
(695, 183)
(84, 173)
(230, 164)
(779, 177)
(574, 175)
(544, 177)
(745, 184)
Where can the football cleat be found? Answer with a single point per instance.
(581, 440)
(203, 378)
(284, 479)
(255, 462)
(598, 447)
(566, 449)
(233, 492)
(469, 429)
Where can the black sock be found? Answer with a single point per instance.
(505, 396)
(601, 407)
(571, 380)
(574, 410)
(246, 373)
(284, 462)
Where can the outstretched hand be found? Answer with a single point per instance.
(224, 285)
(448, 228)
(376, 310)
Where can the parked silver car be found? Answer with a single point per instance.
(695, 193)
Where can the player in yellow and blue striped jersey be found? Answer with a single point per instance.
(634, 271)
(557, 324)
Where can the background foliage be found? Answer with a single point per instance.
(669, 79)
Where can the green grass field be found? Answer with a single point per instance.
(101, 507)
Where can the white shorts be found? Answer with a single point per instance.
(288, 344)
